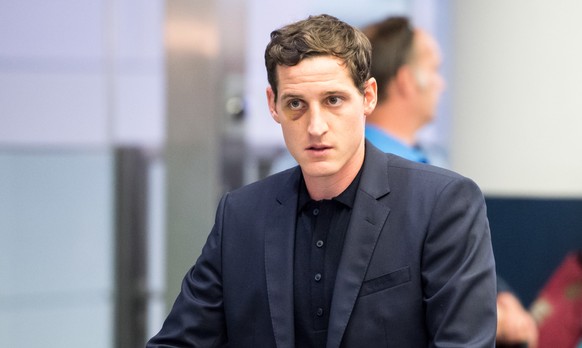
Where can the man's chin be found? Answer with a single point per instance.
(317, 169)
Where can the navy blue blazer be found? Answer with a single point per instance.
(417, 268)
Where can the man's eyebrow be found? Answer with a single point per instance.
(299, 96)
(291, 96)
(334, 92)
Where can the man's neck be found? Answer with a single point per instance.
(321, 188)
(395, 120)
(328, 187)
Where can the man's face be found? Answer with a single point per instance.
(322, 115)
(426, 67)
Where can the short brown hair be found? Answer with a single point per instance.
(319, 36)
(392, 47)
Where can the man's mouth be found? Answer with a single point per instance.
(318, 147)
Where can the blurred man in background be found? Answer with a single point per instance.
(406, 63)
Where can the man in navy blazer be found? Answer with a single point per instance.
(353, 247)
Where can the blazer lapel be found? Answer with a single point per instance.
(279, 246)
(368, 217)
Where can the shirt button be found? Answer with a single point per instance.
(319, 312)
(319, 243)
(317, 277)
(315, 211)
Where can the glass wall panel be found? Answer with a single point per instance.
(56, 248)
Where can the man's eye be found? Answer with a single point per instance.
(295, 104)
(334, 100)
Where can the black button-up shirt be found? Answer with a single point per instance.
(319, 239)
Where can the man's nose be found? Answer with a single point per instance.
(317, 122)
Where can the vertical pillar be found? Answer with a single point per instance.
(193, 137)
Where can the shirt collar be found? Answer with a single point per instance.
(388, 143)
(347, 197)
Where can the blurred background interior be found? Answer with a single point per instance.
(123, 122)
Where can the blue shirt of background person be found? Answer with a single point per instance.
(387, 143)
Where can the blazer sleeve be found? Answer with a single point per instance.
(197, 316)
(459, 269)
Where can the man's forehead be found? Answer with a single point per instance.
(328, 61)
(315, 71)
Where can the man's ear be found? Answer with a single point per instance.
(405, 80)
(370, 96)
(272, 104)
